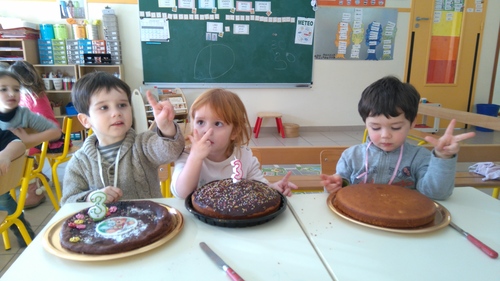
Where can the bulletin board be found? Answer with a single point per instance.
(255, 49)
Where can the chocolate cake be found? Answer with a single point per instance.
(245, 199)
(385, 205)
(128, 225)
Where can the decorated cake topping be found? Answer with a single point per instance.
(237, 171)
(247, 196)
(98, 211)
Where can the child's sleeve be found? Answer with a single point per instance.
(76, 186)
(178, 166)
(436, 176)
(40, 123)
(254, 171)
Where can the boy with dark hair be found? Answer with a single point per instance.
(114, 159)
(389, 108)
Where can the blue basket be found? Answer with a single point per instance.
(70, 109)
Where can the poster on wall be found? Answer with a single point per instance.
(355, 33)
(366, 3)
(72, 9)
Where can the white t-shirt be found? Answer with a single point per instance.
(211, 171)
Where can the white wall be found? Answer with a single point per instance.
(337, 85)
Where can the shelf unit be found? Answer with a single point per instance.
(63, 97)
(12, 50)
(111, 68)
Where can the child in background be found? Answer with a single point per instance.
(389, 108)
(16, 118)
(33, 96)
(114, 159)
(221, 133)
(12, 147)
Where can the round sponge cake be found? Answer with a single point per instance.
(385, 205)
(223, 199)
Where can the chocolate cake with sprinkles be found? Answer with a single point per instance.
(128, 225)
(245, 199)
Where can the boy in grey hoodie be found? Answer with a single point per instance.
(389, 108)
(114, 159)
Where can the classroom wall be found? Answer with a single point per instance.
(337, 85)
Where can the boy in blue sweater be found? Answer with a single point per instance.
(389, 108)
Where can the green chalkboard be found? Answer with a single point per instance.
(268, 56)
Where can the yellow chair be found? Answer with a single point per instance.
(164, 173)
(19, 172)
(37, 172)
(71, 125)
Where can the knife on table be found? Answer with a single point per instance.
(218, 261)
(487, 250)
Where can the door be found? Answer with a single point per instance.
(445, 39)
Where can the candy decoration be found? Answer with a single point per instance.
(98, 211)
(74, 239)
(237, 171)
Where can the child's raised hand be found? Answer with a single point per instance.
(200, 144)
(164, 114)
(448, 145)
(284, 186)
(331, 183)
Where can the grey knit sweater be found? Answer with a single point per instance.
(140, 157)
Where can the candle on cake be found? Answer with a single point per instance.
(237, 171)
(98, 211)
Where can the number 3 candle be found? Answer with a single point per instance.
(98, 211)
(237, 171)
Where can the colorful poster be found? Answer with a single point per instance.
(355, 33)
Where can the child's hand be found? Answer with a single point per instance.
(284, 186)
(331, 183)
(164, 115)
(4, 166)
(448, 145)
(113, 194)
(200, 145)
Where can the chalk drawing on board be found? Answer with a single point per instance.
(213, 61)
(281, 58)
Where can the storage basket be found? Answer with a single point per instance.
(291, 130)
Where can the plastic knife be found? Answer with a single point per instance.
(218, 261)
(487, 250)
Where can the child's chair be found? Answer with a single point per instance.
(19, 172)
(71, 125)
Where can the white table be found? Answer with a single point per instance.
(277, 250)
(355, 252)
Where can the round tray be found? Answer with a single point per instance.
(441, 219)
(235, 223)
(52, 242)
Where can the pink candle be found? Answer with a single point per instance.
(237, 171)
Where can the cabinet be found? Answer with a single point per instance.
(12, 50)
(178, 100)
(63, 97)
(111, 68)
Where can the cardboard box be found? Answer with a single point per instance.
(57, 110)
